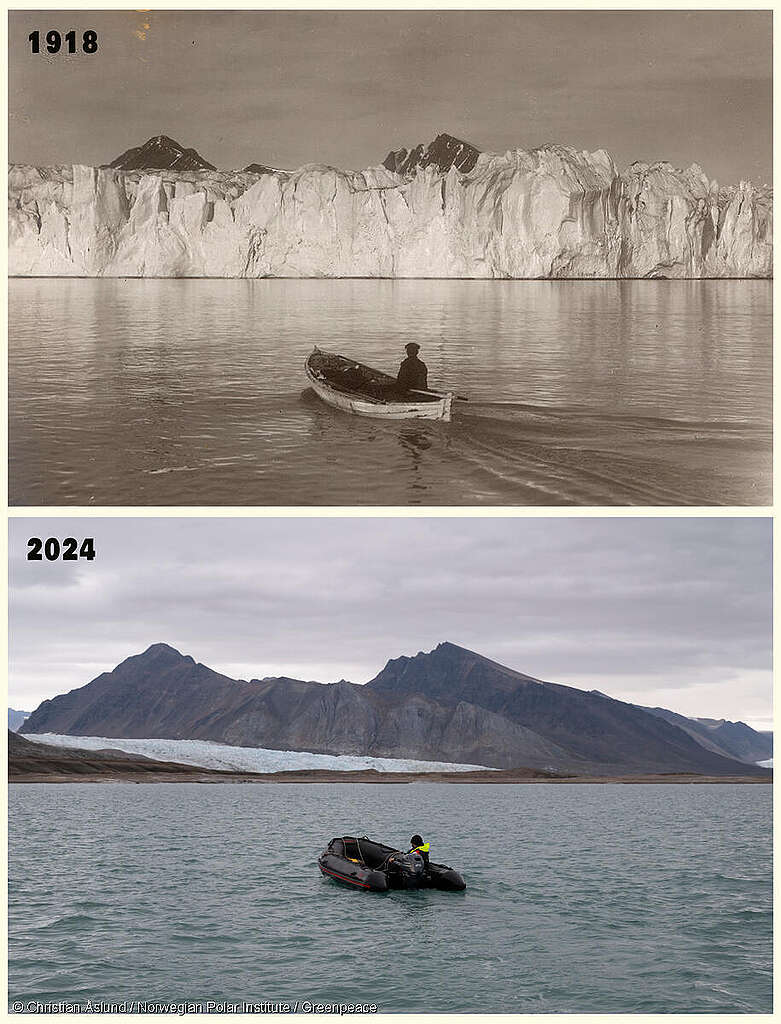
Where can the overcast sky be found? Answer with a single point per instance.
(341, 87)
(667, 612)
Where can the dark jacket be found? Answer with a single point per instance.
(412, 374)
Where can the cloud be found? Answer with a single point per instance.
(344, 87)
(668, 611)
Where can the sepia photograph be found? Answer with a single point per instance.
(390, 258)
(532, 776)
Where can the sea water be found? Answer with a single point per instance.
(192, 392)
(580, 898)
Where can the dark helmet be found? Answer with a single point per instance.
(412, 347)
(416, 840)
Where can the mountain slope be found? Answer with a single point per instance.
(590, 725)
(733, 739)
(16, 718)
(739, 740)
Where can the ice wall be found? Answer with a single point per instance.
(553, 212)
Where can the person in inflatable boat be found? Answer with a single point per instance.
(418, 846)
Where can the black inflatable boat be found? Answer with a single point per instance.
(366, 864)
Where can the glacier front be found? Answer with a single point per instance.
(205, 754)
(552, 212)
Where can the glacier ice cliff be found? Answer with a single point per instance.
(552, 212)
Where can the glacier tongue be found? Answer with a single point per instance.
(205, 754)
(552, 212)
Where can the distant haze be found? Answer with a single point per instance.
(661, 612)
(288, 88)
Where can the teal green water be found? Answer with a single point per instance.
(632, 899)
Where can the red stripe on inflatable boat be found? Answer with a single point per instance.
(344, 878)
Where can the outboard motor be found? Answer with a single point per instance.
(408, 870)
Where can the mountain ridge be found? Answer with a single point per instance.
(449, 704)
(736, 739)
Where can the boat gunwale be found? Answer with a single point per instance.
(370, 399)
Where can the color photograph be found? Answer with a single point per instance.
(449, 765)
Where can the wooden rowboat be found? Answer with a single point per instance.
(353, 387)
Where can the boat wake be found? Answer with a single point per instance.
(512, 453)
(576, 456)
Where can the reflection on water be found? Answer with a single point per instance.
(191, 392)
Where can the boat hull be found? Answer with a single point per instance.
(438, 409)
(371, 874)
(355, 875)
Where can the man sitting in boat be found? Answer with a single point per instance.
(418, 846)
(413, 373)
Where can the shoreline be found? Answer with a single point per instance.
(30, 762)
(495, 778)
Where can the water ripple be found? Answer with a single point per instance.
(192, 392)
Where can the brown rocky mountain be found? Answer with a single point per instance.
(448, 705)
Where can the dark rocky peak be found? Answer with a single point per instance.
(444, 152)
(160, 648)
(155, 659)
(161, 153)
(258, 169)
(450, 674)
(161, 653)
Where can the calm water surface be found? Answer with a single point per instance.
(633, 899)
(180, 392)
